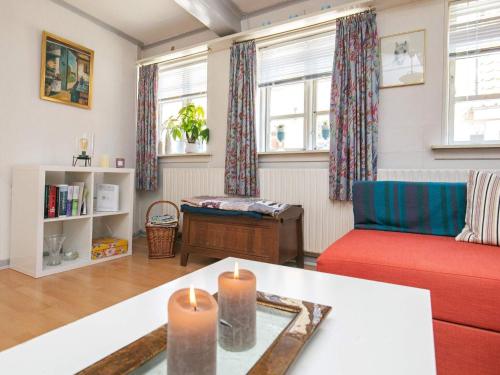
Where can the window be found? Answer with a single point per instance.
(474, 72)
(177, 87)
(294, 89)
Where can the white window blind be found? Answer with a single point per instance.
(474, 26)
(182, 81)
(306, 58)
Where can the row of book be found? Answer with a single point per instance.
(65, 200)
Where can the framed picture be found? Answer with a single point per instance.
(66, 72)
(120, 163)
(402, 59)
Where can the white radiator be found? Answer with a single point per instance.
(324, 220)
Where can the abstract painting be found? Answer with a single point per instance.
(66, 72)
(403, 59)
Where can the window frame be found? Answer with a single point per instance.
(309, 115)
(450, 99)
(186, 99)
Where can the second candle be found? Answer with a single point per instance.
(237, 301)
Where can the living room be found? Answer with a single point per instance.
(336, 161)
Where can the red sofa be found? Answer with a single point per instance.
(463, 278)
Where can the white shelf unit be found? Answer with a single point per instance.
(29, 227)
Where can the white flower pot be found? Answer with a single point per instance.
(191, 148)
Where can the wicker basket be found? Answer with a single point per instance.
(161, 240)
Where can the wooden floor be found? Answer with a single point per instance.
(30, 307)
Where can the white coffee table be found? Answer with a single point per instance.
(374, 328)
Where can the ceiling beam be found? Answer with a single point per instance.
(220, 16)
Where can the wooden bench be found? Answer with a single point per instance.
(269, 239)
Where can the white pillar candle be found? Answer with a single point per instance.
(192, 333)
(237, 310)
(104, 161)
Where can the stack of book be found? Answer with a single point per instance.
(65, 200)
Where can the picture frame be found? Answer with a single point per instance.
(120, 163)
(66, 72)
(402, 58)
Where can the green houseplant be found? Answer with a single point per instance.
(190, 125)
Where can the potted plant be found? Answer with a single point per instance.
(190, 125)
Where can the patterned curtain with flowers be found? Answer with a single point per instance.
(354, 104)
(241, 147)
(146, 160)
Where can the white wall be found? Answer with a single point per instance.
(42, 132)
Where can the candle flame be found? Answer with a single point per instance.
(192, 297)
(236, 271)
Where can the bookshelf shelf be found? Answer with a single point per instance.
(65, 218)
(102, 214)
(29, 227)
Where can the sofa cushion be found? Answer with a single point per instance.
(464, 278)
(414, 207)
(482, 219)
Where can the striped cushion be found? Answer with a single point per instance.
(414, 207)
(483, 209)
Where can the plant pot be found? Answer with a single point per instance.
(191, 148)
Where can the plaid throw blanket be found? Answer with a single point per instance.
(263, 206)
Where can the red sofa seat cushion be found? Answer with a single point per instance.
(464, 278)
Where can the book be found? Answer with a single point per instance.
(69, 201)
(46, 202)
(51, 207)
(81, 188)
(74, 205)
(57, 201)
(62, 199)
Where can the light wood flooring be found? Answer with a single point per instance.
(30, 307)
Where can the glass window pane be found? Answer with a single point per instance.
(477, 121)
(287, 99)
(170, 108)
(479, 75)
(286, 134)
(323, 87)
(201, 100)
(322, 132)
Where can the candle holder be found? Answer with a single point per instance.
(192, 333)
(237, 299)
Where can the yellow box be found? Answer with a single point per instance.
(108, 247)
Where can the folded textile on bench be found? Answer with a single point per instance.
(263, 206)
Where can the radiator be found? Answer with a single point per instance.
(324, 220)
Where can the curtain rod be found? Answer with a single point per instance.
(161, 60)
(305, 28)
(347, 13)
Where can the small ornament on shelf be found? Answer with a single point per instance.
(84, 149)
(120, 163)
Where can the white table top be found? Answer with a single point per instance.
(374, 328)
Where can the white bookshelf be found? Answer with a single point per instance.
(29, 227)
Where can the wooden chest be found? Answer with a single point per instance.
(269, 239)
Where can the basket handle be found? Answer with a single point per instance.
(159, 202)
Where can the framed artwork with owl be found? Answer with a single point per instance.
(402, 59)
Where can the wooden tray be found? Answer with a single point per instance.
(276, 359)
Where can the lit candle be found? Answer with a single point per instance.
(192, 333)
(237, 309)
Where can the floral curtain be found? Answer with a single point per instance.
(241, 148)
(146, 160)
(354, 104)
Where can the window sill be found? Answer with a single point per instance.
(466, 146)
(195, 157)
(482, 151)
(293, 156)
